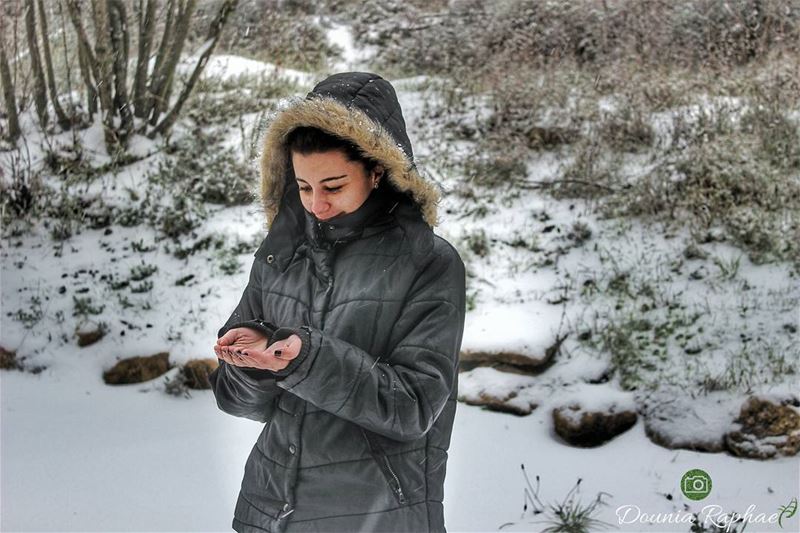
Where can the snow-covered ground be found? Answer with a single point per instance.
(78, 455)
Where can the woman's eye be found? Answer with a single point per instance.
(332, 189)
(305, 189)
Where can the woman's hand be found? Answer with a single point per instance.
(256, 355)
(242, 338)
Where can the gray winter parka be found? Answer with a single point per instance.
(357, 427)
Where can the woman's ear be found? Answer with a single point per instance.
(377, 175)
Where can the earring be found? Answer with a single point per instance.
(376, 184)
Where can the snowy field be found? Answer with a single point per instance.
(78, 455)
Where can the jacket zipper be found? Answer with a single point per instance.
(397, 488)
(386, 467)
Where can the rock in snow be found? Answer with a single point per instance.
(137, 369)
(765, 429)
(598, 415)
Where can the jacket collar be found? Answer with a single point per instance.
(290, 227)
(349, 226)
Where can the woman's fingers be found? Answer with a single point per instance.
(275, 357)
(288, 348)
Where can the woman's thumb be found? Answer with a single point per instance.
(227, 339)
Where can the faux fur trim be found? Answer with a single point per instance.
(354, 125)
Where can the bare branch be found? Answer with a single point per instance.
(146, 33)
(120, 46)
(39, 86)
(8, 93)
(63, 121)
(214, 32)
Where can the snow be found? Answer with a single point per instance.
(524, 329)
(114, 458)
(230, 67)
(132, 457)
(353, 58)
(690, 420)
(595, 399)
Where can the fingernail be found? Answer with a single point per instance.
(277, 353)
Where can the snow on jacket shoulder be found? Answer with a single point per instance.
(358, 426)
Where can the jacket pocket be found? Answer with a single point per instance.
(385, 466)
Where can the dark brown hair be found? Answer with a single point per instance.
(307, 140)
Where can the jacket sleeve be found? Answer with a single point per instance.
(398, 394)
(246, 392)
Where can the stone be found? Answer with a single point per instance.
(502, 403)
(137, 369)
(677, 420)
(524, 363)
(8, 360)
(765, 429)
(89, 336)
(588, 427)
(498, 391)
(196, 372)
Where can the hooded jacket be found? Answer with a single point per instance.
(357, 427)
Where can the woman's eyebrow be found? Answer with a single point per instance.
(324, 179)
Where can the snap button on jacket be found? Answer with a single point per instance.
(357, 428)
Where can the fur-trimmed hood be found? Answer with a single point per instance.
(362, 108)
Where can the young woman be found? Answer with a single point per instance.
(345, 342)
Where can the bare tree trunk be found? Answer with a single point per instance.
(63, 120)
(120, 45)
(86, 74)
(146, 32)
(88, 63)
(106, 74)
(8, 93)
(171, 61)
(214, 33)
(72, 112)
(39, 85)
(163, 46)
(102, 52)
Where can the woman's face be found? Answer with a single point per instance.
(330, 184)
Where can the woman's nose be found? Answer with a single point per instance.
(319, 204)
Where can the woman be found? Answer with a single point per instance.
(345, 342)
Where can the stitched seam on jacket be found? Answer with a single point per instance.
(361, 514)
(356, 300)
(250, 525)
(351, 254)
(353, 99)
(427, 508)
(270, 459)
(427, 401)
(431, 301)
(356, 381)
(426, 348)
(289, 296)
(254, 506)
(368, 458)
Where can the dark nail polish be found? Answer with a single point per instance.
(277, 353)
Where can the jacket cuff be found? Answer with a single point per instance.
(254, 378)
(262, 326)
(304, 332)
